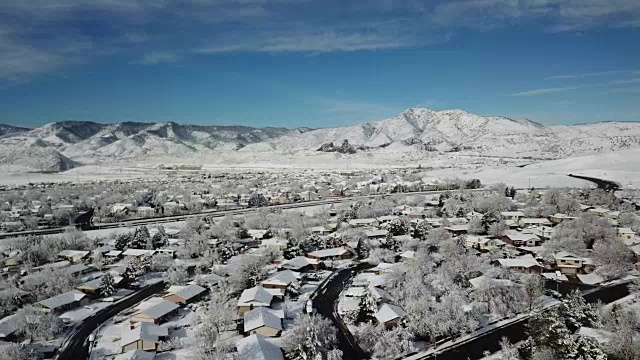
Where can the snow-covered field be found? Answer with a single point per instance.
(622, 166)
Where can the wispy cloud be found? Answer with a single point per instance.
(159, 57)
(623, 90)
(592, 74)
(561, 102)
(628, 81)
(546, 91)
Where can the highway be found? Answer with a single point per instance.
(214, 213)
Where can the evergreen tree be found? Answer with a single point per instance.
(367, 308)
(140, 238)
(363, 249)
(107, 285)
(421, 230)
(257, 200)
(122, 241)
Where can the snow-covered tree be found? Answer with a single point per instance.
(367, 308)
(36, 324)
(394, 343)
(17, 352)
(508, 351)
(257, 200)
(176, 275)
(421, 230)
(107, 285)
(399, 226)
(534, 287)
(140, 238)
(311, 337)
(616, 258)
(249, 272)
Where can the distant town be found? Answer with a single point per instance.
(315, 265)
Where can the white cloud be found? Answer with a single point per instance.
(547, 91)
(628, 81)
(159, 57)
(577, 76)
(624, 90)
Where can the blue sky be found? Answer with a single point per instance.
(317, 63)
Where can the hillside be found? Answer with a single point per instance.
(423, 133)
(469, 134)
(92, 142)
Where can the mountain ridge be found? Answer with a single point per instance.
(413, 130)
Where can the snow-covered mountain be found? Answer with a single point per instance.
(65, 144)
(468, 134)
(89, 142)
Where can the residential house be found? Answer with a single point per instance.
(136, 354)
(600, 211)
(558, 218)
(512, 215)
(281, 280)
(523, 264)
(457, 230)
(138, 253)
(338, 253)
(258, 347)
(186, 295)
(156, 314)
(626, 234)
(301, 264)
(262, 321)
(363, 222)
(74, 256)
(143, 336)
(530, 222)
(483, 243)
(568, 263)
(254, 297)
(516, 238)
(389, 316)
(8, 328)
(375, 233)
(65, 301)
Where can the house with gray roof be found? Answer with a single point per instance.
(258, 347)
(186, 295)
(156, 314)
(262, 321)
(65, 301)
(256, 296)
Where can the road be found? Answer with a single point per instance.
(215, 213)
(605, 185)
(474, 347)
(75, 344)
(325, 302)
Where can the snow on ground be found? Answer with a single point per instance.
(621, 166)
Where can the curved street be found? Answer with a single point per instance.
(326, 303)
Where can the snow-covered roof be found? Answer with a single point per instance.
(63, 299)
(512, 214)
(136, 354)
(625, 231)
(258, 347)
(591, 279)
(162, 308)
(375, 232)
(565, 255)
(299, 262)
(260, 317)
(519, 236)
(190, 291)
(339, 251)
(555, 276)
(409, 254)
(523, 261)
(145, 332)
(284, 277)
(482, 279)
(138, 252)
(388, 312)
(256, 296)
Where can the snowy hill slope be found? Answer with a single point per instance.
(422, 133)
(468, 134)
(90, 142)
